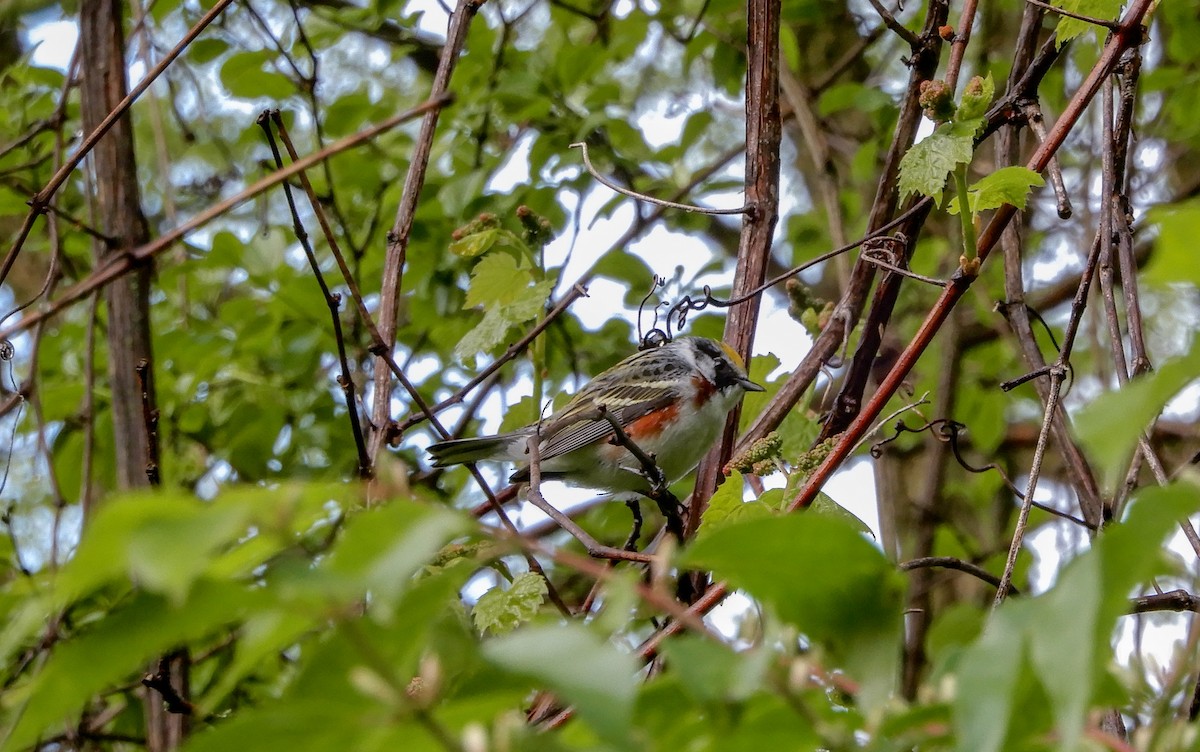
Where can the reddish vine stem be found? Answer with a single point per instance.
(1128, 35)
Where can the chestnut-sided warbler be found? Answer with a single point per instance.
(671, 401)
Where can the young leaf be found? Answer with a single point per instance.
(499, 319)
(503, 610)
(977, 97)
(496, 280)
(924, 168)
(726, 507)
(1008, 185)
(1069, 28)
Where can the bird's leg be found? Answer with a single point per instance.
(650, 469)
(636, 509)
(667, 503)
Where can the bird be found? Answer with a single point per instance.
(671, 401)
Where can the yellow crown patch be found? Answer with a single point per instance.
(733, 356)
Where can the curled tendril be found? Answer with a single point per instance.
(950, 431)
(7, 351)
(677, 315)
(655, 337)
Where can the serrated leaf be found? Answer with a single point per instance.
(1008, 185)
(1068, 28)
(498, 320)
(501, 610)
(497, 279)
(726, 507)
(925, 167)
(477, 243)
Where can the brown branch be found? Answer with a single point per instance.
(950, 562)
(1130, 34)
(397, 242)
(145, 375)
(1174, 600)
(39, 201)
(764, 132)
(124, 263)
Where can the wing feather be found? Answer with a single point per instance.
(657, 385)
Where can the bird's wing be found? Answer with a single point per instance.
(576, 425)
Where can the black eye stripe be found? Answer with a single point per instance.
(710, 349)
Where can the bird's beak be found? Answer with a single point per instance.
(750, 386)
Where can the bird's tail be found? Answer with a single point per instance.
(459, 451)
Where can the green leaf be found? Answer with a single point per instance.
(712, 671)
(1061, 638)
(1173, 261)
(1008, 185)
(497, 280)
(116, 647)
(1108, 427)
(504, 609)
(572, 661)
(823, 505)
(1069, 28)
(474, 244)
(249, 75)
(924, 168)
(976, 99)
(727, 506)
(382, 549)
(853, 608)
(499, 320)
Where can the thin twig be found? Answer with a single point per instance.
(895, 26)
(950, 562)
(1037, 123)
(333, 302)
(42, 198)
(397, 241)
(594, 547)
(1110, 25)
(124, 263)
(871, 257)
(587, 163)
